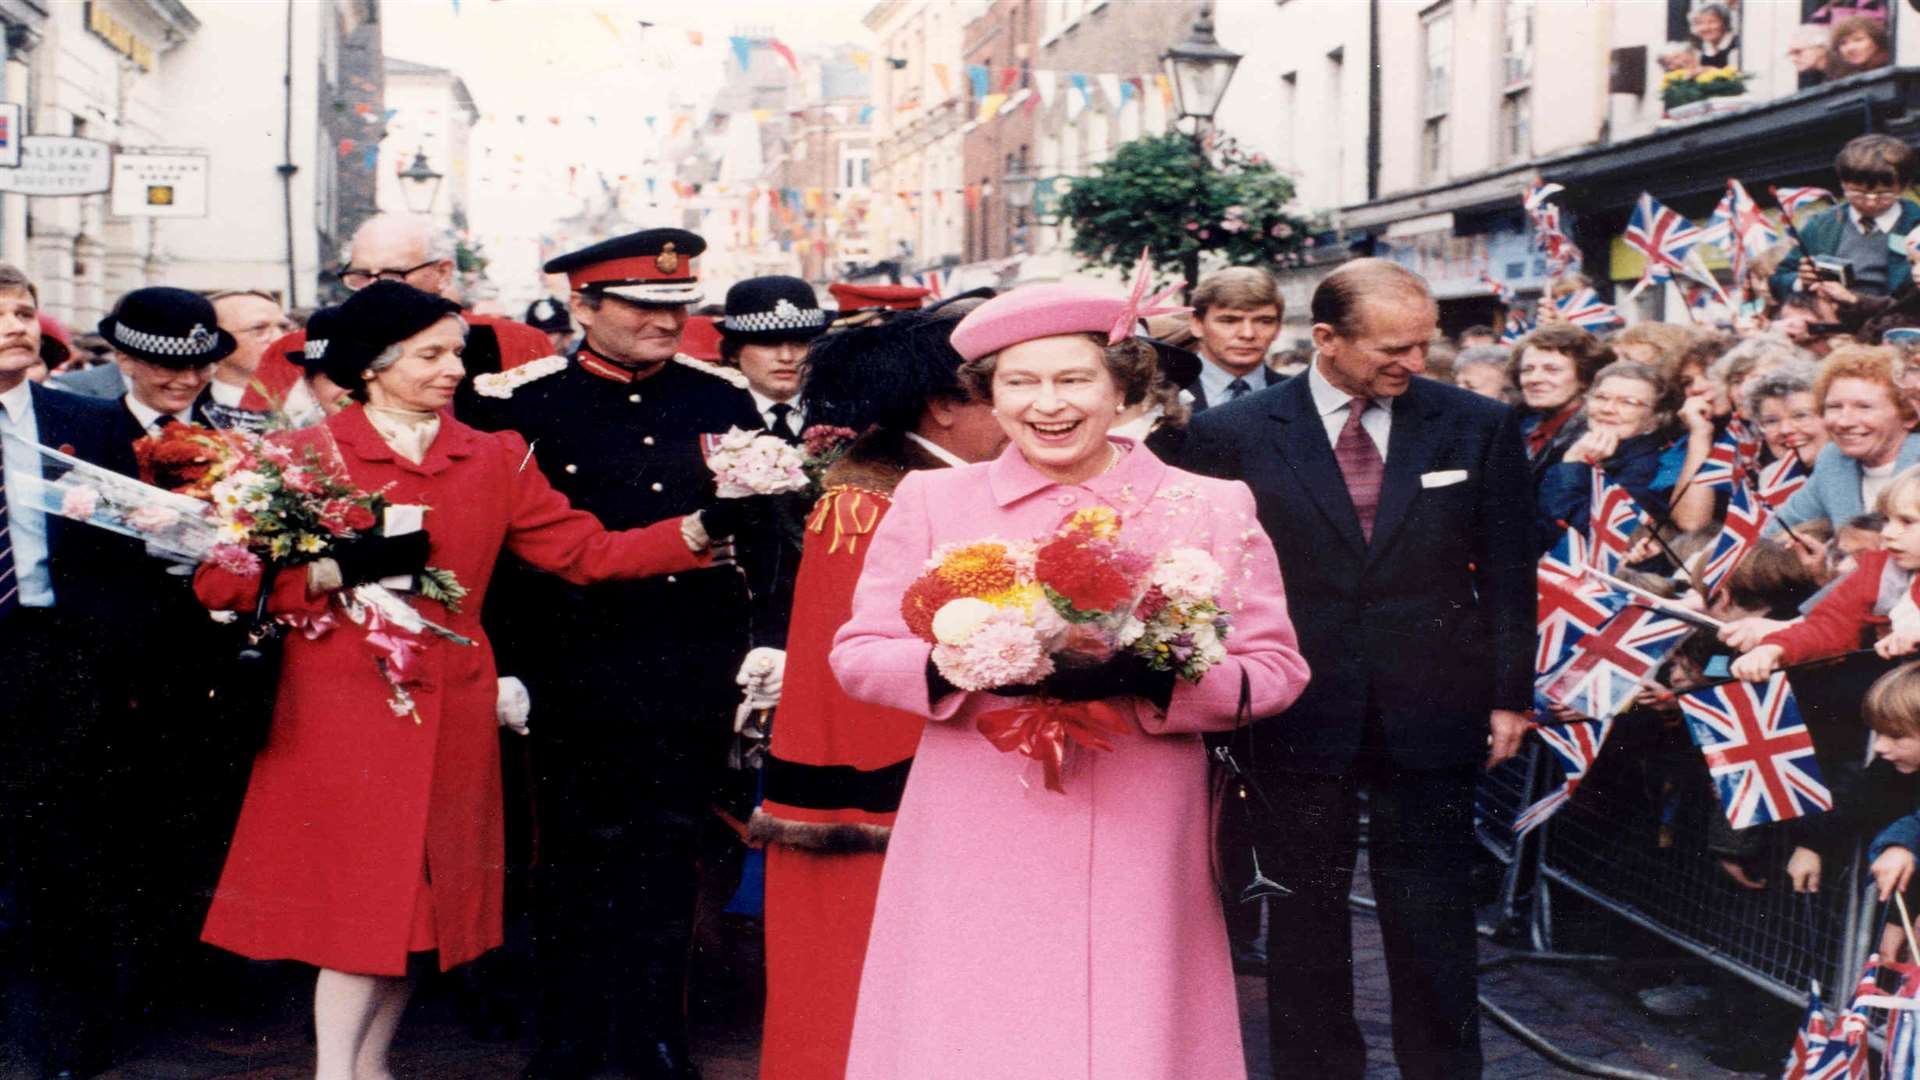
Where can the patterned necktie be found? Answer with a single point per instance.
(9, 584)
(1237, 388)
(782, 425)
(1361, 464)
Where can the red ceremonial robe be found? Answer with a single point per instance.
(350, 807)
(830, 753)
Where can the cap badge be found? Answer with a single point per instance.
(784, 309)
(201, 339)
(667, 261)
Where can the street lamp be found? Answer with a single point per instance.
(419, 184)
(1200, 69)
(1020, 188)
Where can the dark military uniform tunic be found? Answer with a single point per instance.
(632, 687)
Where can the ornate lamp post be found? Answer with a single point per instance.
(1200, 69)
(419, 184)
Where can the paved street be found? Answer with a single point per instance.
(1595, 1017)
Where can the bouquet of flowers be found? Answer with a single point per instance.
(754, 463)
(825, 444)
(1002, 614)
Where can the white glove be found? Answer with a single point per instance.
(513, 705)
(761, 676)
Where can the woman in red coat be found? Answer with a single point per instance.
(836, 767)
(367, 835)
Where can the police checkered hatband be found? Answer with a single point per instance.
(316, 349)
(198, 342)
(784, 316)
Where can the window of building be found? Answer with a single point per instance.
(1433, 149)
(1436, 91)
(1516, 126)
(1517, 52)
(1336, 123)
(856, 167)
(1289, 101)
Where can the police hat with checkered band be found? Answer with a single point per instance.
(172, 328)
(776, 308)
(654, 267)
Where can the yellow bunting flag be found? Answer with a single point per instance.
(991, 104)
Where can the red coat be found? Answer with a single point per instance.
(348, 802)
(1843, 620)
(519, 344)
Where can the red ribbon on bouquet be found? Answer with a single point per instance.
(1041, 730)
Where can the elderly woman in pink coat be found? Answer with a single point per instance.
(1071, 934)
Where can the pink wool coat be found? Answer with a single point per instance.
(1021, 932)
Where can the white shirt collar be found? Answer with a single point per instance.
(18, 401)
(936, 449)
(226, 393)
(1328, 398)
(1215, 380)
(1884, 221)
(765, 405)
(147, 415)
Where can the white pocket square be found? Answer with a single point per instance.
(1442, 478)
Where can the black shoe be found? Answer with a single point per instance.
(561, 1062)
(665, 1059)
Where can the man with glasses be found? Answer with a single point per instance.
(410, 249)
(256, 320)
(1875, 171)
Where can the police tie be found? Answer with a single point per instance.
(1361, 464)
(782, 423)
(1237, 389)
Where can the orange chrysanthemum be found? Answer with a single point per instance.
(978, 569)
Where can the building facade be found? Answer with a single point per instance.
(920, 103)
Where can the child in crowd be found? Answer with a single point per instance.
(1857, 535)
(1874, 171)
(1892, 710)
(1876, 597)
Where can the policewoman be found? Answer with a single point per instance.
(632, 684)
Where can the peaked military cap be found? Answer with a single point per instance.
(653, 266)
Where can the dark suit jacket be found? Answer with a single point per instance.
(1199, 393)
(87, 564)
(1430, 625)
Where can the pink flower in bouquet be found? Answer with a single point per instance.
(151, 519)
(234, 559)
(304, 481)
(1003, 650)
(79, 503)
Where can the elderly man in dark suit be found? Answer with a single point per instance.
(1400, 508)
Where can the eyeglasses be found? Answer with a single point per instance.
(1853, 191)
(1622, 402)
(359, 279)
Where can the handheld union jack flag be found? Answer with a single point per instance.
(1612, 517)
(1813, 1032)
(1758, 751)
(1668, 241)
(1562, 254)
(1516, 327)
(1570, 604)
(1587, 311)
(1575, 746)
(1722, 464)
(1740, 229)
(1746, 516)
(1792, 200)
(1608, 666)
(1502, 291)
(1781, 479)
(1746, 440)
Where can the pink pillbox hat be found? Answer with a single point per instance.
(1035, 311)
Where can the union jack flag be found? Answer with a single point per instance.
(1740, 229)
(1813, 1032)
(1609, 666)
(934, 281)
(1587, 311)
(1576, 745)
(1612, 517)
(1502, 291)
(1722, 464)
(1569, 603)
(1758, 751)
(1794, 199)
(1516, 327)
(1746, 516)
(1781, 479)
(1667, 240)
(1562, 254)
(1538, 193)
(1746, 440)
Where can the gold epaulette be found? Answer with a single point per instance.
(851, 513)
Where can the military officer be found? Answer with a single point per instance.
(632, 684)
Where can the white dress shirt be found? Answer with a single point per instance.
(1884, 221)
(1331, 403)
(26, 522)
(797, 419)
(226, 393)
(147, 415)
(1215, 381)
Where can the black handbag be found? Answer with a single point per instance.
(1237, 785)
(245, 688)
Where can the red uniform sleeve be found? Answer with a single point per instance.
(519, 343)
(551, 535)
(224, 590)
(1836, 624)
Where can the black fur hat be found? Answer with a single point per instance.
(883, 373)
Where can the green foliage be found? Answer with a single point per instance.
(1165, 193)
